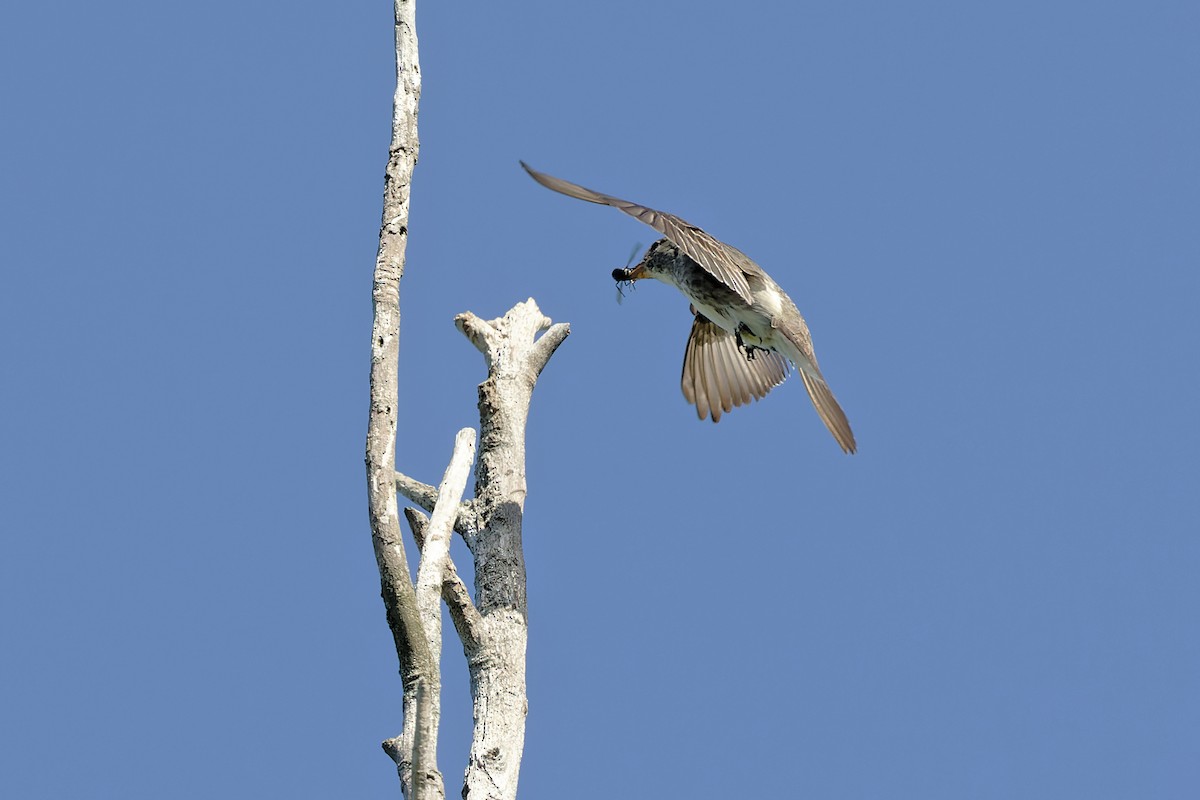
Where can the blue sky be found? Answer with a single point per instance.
(987, 213)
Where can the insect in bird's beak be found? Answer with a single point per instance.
(619, 275)
(624, 276)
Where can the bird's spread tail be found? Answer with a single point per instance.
(829, 410)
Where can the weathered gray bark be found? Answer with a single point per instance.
(515, 359)
(493, 629)
(385, 347)
(417, 666)
(435, 559)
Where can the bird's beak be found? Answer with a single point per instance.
(630, 275)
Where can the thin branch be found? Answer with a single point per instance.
(544, 347)
(412, 489)
(400, 603)
(424, 759)
(455, 595)
(417, 664)
(481, 333)
(435, 553)
(466, 522)
(425, 706)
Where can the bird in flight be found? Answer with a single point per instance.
(746, 329)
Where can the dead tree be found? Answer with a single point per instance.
(492, 627)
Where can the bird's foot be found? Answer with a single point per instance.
(749, 348)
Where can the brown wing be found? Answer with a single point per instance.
(717, 258)
(717, 375)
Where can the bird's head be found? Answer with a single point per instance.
(661, 262)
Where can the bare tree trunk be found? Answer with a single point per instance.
(417, 667)
(515, 359)
(493, 629)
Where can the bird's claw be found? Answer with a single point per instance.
(749, 348)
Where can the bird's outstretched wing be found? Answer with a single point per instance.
(717, 375)
(718, 259)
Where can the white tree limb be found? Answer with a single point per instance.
(494, 629)
(427, 781)
(515, 357)
(415, 491)
(544, 347)
(435, 552)
(463, 613)
(435, 555)
(425, 496)
(416, 664)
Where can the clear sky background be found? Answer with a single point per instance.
(988, 213)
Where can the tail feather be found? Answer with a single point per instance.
(796, 344)
(829, 410)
